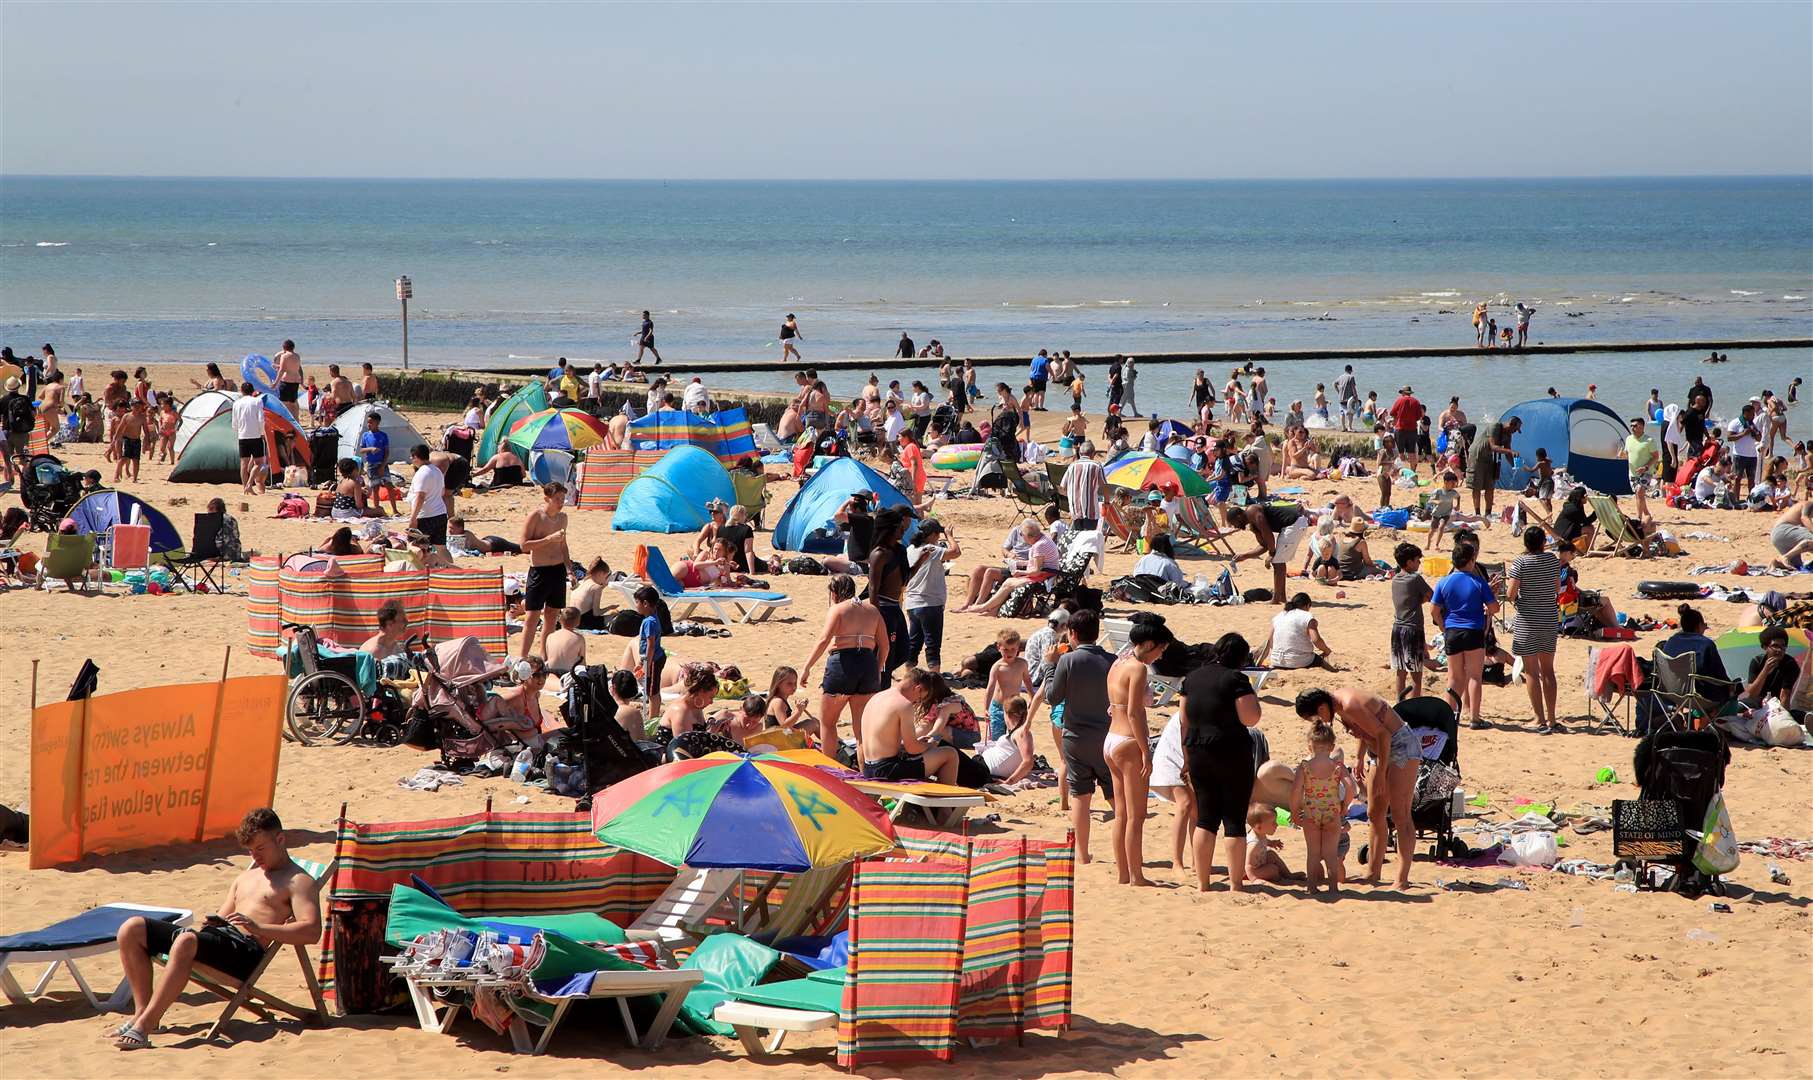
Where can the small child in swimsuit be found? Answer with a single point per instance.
(1319, 801)
(1263, 863)
(1009, 677)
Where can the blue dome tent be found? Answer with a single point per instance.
(1581, 435)
(807, 523)
(670, 495)
(101, 510)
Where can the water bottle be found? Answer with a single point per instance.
(525, 760)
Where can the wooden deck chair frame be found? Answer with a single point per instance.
(1118, 527)
(808, 894)
(1613, 525)
(1196, 524)
(244, 993)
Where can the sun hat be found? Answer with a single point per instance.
(1058, 617)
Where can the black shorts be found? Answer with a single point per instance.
(1085, 765)
(223, 948)
(434, 528)
(902, 766)
(130, 448)
(251, 448)
(1223, 782)
(1406, 444)
(852, 672)
(1038, 385)
(1460, 640)
(287, 391)
(546, 588)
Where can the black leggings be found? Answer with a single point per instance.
(895, 620)
(1223, 781)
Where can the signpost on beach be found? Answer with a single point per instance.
(404, 291)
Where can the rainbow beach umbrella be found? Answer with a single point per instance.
(1738, 647)
(746, 813)
(1143, 470)
(556, 429)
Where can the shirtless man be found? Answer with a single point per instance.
(589, 597)
(368, 383)
(393, 629)
(890, 748)
(544, 537)
(1395, 750)
(289, 376)
(272, 901)
(1126, 748)
(340, 387)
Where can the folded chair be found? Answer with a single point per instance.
(203, 556)
(809, 895)
(750, 605)
(244, 992)
(61, 944)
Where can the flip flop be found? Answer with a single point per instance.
(131, 1038)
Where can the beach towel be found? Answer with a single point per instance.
(1616, 672)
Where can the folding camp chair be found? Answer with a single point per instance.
(61, 944)
(203, 557)
(750, 605)
(679, 915)
(1680, 693)
(1054, 479)
(1032, 498)
(69, 557)
(1617, 711)
(244, 992)
(129, 547)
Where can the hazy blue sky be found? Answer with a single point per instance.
(906, 91)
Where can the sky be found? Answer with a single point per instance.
(906, 91)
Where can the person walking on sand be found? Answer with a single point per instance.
(1125, 747)
(790, 338)
(289, 376)
(248, 427)
(1394, 750)
(271, 901)
(1079, 683)
(544, 537)
(645, 339)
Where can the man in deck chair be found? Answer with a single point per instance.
(274, 900)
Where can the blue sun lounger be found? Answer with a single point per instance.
(750, 605)
(61, 944)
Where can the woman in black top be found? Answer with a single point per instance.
(1199, 391)
(1574, 522)
(859, 528)
(1218, 705)
(887, 580)
(1004, 426)
(737, 533)
(1115, 386)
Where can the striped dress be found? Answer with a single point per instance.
(1538, 619)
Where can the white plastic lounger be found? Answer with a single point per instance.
(679, 914)
(92, 933)
(617, 985)
(749, 605)
(750, 1020)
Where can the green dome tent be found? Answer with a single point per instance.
(531, 398)
(212, 455)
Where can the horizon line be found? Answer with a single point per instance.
(913, 180)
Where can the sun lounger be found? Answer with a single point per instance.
(780, 1008)
(244, 993)
(613, 985)
(679, 914)
(941, 805)
(750, 605)
(61, 944)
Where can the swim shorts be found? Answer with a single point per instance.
(1463, 640)
(1085, 766)
(545, 588)
(251, 448)
(902, 766)
(288, 391)
(851, 671)
(226, 949)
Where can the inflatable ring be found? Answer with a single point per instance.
(957, 458)
(1668, 590)
(260, 372)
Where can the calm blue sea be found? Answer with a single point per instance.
(211, 269)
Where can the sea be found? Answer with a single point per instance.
(517, 273)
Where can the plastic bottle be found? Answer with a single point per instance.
(1578, 919)
(525, 759)
(1623, 875)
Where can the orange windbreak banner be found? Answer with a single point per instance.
(162, 765)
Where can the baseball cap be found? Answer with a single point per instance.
(12, 383)
(1058, 617)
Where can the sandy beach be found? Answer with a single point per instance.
(1561, 977)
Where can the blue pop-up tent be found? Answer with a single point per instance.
(670, 495)
(1581, 435)
(807, 524)
(101, 510)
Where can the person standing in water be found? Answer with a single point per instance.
(645, 339)
(790, 338)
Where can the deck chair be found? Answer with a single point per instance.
(239, 993)
(1196, 525)
(129, 547)
(1054, 479)
(1613, 525)
(203, 556)
(61, 944)
(807, 897)
(1113, 524)
(750, 605)
(780, 1008)
(1615, 713)
(69, 557)
(679, 915)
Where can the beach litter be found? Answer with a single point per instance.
(1697, 934)
(428, 778)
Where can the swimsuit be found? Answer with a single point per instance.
(1321, 800)
(1112, 741)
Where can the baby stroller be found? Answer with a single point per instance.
(1687, 767)
(1432, 800)
(49, 492)
(456, 680)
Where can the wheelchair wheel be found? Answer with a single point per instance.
(321, 705)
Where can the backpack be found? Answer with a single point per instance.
(20, 417)
(805, 565)
(625, 623)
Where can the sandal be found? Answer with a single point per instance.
(131, 1038)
